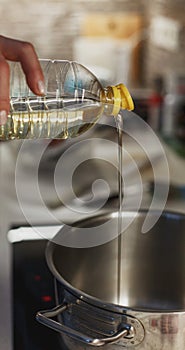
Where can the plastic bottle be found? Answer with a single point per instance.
(73, 102)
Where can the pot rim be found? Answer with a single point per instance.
(96, 301)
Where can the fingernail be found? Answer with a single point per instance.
(3, 117)
(41, 87)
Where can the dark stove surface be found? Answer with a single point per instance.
(33, 290)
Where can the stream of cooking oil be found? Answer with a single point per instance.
(119, 120)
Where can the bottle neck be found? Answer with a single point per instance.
(115, 98)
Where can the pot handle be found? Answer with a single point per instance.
(45, 317)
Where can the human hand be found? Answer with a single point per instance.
(23, 52)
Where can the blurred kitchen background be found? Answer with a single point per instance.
(56, 28)
(140, 43)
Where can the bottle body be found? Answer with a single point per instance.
(73, 102)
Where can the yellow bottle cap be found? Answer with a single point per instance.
(118, 97)
(126, 99)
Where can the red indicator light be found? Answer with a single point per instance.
(46, 298)
(37, 277)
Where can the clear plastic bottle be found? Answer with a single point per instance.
(73, 102)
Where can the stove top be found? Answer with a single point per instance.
(33, 290)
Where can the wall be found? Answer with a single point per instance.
(161, 60)
(52, 27)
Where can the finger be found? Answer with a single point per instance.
(4, 90)
(24, 52)
(32, 69)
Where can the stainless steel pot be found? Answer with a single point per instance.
(151, 311)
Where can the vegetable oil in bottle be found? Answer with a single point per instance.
(73, 102)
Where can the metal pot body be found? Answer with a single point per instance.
(150, 312)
